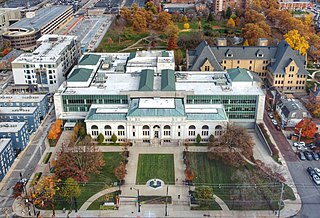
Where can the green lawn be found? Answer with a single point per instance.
(160, 166)
(97, 182)
(263, 196)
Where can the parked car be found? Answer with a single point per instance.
(311, 145)
(274, 122)
(314, 155)
(301, 156)
(317, 170)
(308, 155)
(270, 115)
(302, 144)
(316, 179)
(311, 171)
(277, 127)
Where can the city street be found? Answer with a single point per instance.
(308, 191)
(26, 162)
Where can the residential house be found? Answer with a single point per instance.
(291, 112)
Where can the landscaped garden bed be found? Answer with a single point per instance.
(47, 157)
(99, 203)
(151, 166)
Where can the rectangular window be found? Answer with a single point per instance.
(145, 132)
(205, 132)
(291, 68)
(95, 132)
(206, 68)
(192, 132)
(108, 133)
(166, 132)
(121, 133)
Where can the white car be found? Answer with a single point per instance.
(300, 144)
(274, 122)
(316, 179)
(317, 170)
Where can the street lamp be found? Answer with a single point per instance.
(138, 197)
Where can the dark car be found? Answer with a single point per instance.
(314, 155)
(308, 155)
(278, 127)
(301, 156)
(311, 171)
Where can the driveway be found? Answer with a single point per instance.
(308, 191)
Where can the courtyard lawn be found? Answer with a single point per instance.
(261, 195)
(111, 197)
(97, 182)
(160, 166)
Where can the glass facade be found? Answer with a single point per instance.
(236, 106)
(76, 103)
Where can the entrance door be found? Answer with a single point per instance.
(156, 134)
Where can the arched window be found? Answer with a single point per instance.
(107, 130)
(121, 131)
(94, 130)
(166, 131)
(192, 130)
(205, 130)
(145, 130)
(218, 130)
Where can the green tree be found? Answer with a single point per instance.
(100, 138)
(82, 132)
(223, 14)
(178, 57)
(70, 190)
(228, 13)
(198, 139)
(149, 6)
(210, 17)
(114, 138)
(204, 194)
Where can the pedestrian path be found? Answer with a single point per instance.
(96, 196)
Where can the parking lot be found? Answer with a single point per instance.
(20, 3)
(90, 30)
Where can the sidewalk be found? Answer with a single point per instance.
(178, 192)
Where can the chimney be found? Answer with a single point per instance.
(262, 42)
(221, 42)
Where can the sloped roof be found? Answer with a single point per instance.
(168, 80)
(177, 111)
(285, 54)
(89, 59)
(80, 75)
(146, 80)
(244, 52)
(239, 75)
(202, 52)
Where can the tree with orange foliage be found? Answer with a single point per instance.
(55, 130)
(189, 174)
(172, 43)
(5, 52)
(307, 127)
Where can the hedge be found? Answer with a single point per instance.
(36, 178)
(47, 157)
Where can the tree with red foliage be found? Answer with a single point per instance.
(78, 161)
(308, 128)
(120, 172)
(172, 43)
(189, 173)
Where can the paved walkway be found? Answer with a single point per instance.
(178, 192)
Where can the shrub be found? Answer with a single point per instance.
(47, 157)
(186, 26)
(36, 178)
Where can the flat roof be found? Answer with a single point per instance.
(114, 84)
(3, 143)
(17, 110)
(21, 98)
(203, 84)
(11, 126)
(42, 17)
(49, 51)
(156, 103)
